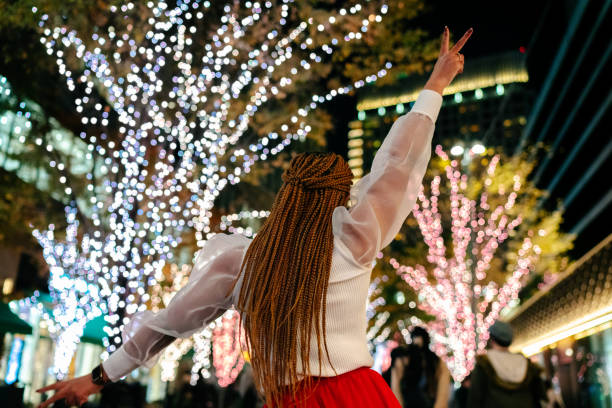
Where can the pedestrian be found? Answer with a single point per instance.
(399, 352)
(419, 378)
(502, 379)
(301, 284)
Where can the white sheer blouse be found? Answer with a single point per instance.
(381, 201)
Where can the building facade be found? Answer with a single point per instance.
(567, 328)
(486, 106)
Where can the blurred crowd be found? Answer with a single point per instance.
(500, 379)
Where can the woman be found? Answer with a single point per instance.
(301, 284)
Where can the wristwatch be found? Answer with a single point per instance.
(97, 376)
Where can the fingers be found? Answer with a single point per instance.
(50, 387)
(57, 396)
(457, 47)
(444, 42)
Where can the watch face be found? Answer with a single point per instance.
(96, 376)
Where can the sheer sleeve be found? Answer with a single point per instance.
(383, 198)
(205, 297)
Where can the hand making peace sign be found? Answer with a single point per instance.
(449, 63)
(73, 392)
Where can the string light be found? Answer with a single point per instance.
(169, 360)
(454, 289)
(227, 220)
(188, 113)
(201, 359)
(227, 349)
(73, 287)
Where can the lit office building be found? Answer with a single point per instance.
(486, 106)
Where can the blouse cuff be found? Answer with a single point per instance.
(119, 364)
(428, 103)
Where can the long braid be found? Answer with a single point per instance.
(286, 270)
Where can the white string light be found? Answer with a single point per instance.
(183, 111)
(73, 287)
(227, 220)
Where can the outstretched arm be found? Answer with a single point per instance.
(384, 197)
(205, 297)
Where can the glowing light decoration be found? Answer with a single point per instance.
(14, 361)
(455, 289)
(376, 318)
(169, 360)
(227, 350)
(202, 345)
(227, 220)
(73, 267)
(165, 289)
(170, 119)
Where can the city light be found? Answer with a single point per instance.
(477, 149)
(457, 150)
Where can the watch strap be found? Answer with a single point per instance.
(97, 376)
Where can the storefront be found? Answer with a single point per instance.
(568, 330)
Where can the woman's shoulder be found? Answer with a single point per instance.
(227, 238)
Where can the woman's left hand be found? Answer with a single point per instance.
(74, 391)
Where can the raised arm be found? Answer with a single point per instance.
(383, 198)
(206, 296)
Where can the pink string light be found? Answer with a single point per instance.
(454, 288)
(227, 353)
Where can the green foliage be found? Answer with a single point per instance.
(34, 74)
(542, 227)
(394, 39)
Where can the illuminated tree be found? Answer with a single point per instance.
(482, 239)
(176, 101)
(227, 348)
(73, 268)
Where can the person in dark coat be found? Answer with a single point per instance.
(502, 379)
(419, 378)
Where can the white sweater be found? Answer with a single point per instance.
(381, 201)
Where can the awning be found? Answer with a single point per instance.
(578, 304)
(94, 331)
(11, 323)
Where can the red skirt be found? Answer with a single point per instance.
(359, 388)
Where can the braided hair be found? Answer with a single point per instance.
(286, 272)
